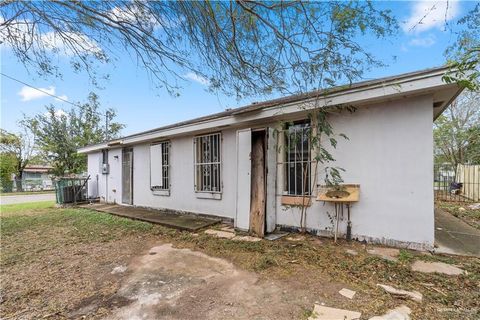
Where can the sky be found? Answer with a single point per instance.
(142, 106)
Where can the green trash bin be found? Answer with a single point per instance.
(70, 190)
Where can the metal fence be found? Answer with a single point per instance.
(26, 185)
(459, 183)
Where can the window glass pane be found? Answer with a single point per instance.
(207, 163)
(297, 166)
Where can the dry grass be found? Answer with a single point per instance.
(53, 260)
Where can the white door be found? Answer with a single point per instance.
(244, 148)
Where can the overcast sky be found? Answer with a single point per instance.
(141, 106)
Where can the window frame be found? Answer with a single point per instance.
(198, 165)
(166, 169)
(304, 161)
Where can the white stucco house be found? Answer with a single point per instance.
(230, 163)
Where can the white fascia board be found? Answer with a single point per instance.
(419, 84)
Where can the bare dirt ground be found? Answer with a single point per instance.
(70, 264)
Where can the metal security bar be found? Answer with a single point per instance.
(298, 160)
(208, 162)
(459, 183)
(165, 166)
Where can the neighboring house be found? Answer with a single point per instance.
(232, 162)
(37, 177)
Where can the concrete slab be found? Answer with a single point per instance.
(389, 254)
(275, 235)
(166, 218)
(399, 313)
(347, 293)
(454, 236)
(436, 267)
(220, 233)
(414, 295)
(227, 229)
(327, 313)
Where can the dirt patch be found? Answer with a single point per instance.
(184, 284)
(58, 263)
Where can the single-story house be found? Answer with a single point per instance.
(36, 177)
(234, 162)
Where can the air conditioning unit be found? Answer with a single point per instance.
(105, 168)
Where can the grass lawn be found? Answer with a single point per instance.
(55, 260)
(461, 210)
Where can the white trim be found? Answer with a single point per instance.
(165, 193)
(422, 83)
(208, 195)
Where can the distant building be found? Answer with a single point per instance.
(37, 177)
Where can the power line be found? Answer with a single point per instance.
(49, 94)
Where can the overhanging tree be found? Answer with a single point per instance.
(464, 54)
(240, 47)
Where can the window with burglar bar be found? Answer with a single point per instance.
(297, 159)
(164, 162)
(208, 163)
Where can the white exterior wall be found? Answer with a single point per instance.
(390, 154)
(182, 193)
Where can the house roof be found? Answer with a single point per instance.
(417, 82)
(37, 168)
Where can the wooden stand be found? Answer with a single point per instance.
(353, 196)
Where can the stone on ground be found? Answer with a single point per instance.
(438, 267)
(246, 238)
(475, 206)
(347, 293)
(399, 313)
(389, 254)
(296, 238)
(351, 252)
(414, 295)
(220, 234)
(119, 269)
(327, 313)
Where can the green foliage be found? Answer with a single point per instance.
(464, 54)
(8, 165)
(456, 132)
(60, 134)
(17, 151)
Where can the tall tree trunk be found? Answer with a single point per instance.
(18, 183)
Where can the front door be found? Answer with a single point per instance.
(127, 176)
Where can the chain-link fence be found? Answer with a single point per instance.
(25, 185)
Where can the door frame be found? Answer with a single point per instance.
(130, 151)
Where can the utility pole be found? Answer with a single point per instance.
(107, 113)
